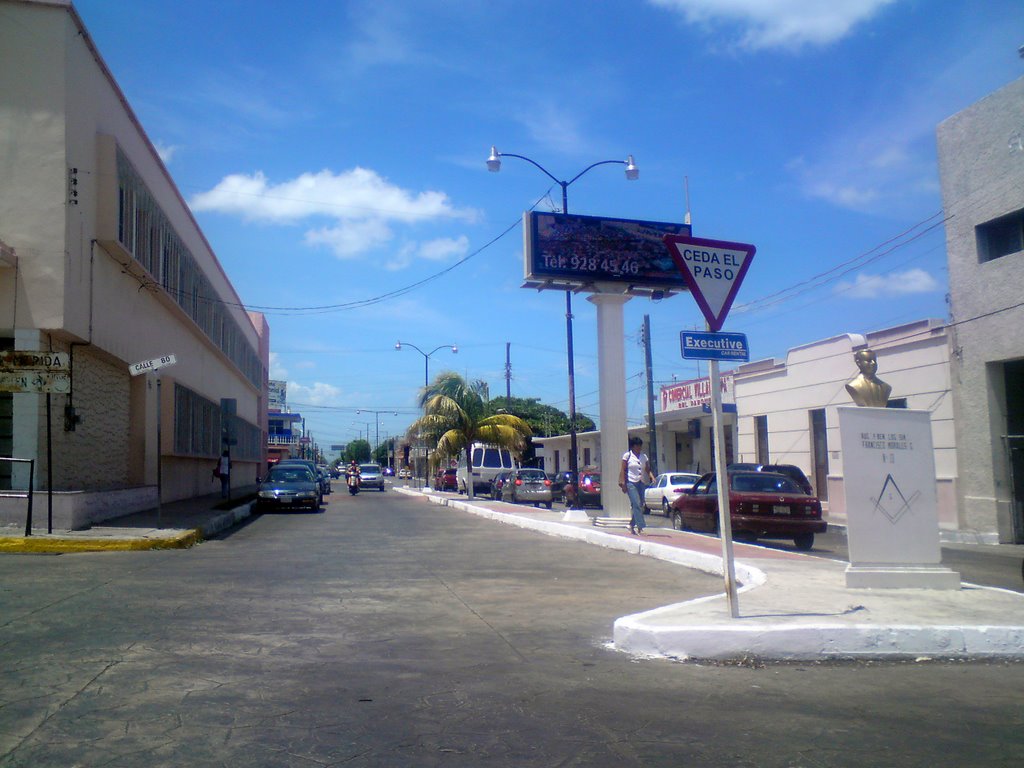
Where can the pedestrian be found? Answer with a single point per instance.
(636, 469)
(223, 471)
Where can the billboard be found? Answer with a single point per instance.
(277, 395)
(568, 251)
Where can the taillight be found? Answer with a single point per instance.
(518, 481)
(547, 483)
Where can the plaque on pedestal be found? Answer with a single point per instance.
(891, 506)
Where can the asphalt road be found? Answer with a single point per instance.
(391, 632)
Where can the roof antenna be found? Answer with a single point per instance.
(686, 182)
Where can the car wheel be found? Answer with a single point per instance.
(666, 508)
(677, 521)
(547, 504)
(804, 541)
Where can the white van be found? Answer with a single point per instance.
(488, 460)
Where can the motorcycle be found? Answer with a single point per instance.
(353, 484)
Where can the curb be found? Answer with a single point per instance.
(181, 539)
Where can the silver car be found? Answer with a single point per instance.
(531, 486)
(370, 476)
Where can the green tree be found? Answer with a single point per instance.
(544, 420)
(456, 415)
(383, 452)
(358, 450)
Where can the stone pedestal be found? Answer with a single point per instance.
(891, 505)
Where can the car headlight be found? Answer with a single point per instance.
(266, 495)
(307, 495)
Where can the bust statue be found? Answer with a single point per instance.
(867, 389)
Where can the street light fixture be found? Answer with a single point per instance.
(426, 356)
(632, 174)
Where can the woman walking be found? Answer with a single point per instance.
(636, 469)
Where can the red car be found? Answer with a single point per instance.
(763, 505)
(445, 480)
(590, 491)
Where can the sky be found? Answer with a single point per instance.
(333, 152)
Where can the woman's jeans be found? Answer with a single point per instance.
(635, 492)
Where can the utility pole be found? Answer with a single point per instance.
(652, 432)
(508, 373)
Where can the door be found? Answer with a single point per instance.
(819, 453)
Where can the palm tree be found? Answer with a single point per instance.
(455, 416)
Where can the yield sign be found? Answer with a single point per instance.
(713, 269)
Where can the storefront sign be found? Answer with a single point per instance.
(695, 393)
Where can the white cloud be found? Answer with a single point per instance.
(165, 151)
(317, 394)
(441, 249)
(867, 286)
(788, 24)
(362, 204)
(277, 371)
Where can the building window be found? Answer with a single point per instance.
(761, 435)
(1000, 237)
(586, 457)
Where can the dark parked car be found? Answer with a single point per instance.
(527, 485)
(590, 490)
(288, 486)
(323, 481)
(762, 505)
(446, 480)
(370, 476)
(497, 482)
(558, 482)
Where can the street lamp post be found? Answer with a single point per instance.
(632, 174)
(376, 421)
(399, 346)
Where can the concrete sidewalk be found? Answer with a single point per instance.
(791, 605)
(176, 525)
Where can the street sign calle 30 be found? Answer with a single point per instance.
(713, 269)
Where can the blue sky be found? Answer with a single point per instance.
(333, 153)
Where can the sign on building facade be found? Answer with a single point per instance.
(695, 393)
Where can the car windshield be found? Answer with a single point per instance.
(763, 482)
(682, 479)
(536, 474)
(590, 479)
(289, 475)
(369, 467)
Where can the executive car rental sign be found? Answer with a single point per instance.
(713, 269)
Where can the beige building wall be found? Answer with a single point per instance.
(67, 283)
(981, 165)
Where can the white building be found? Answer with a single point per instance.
(784, 412)
(981, 164)
(102, 260)
(787, 408)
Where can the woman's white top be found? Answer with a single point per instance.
(634, 466)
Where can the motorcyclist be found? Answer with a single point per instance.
(353, 474)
